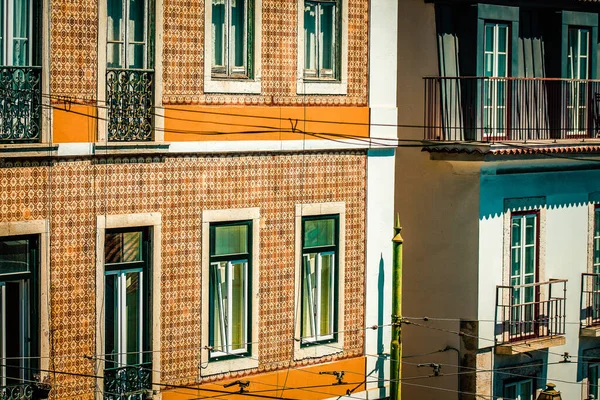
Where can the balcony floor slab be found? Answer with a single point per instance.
(523, 346)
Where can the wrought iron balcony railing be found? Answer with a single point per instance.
(510, 109)
(130, 102)
(131, 382)
(530, 311)
(24, 391)
(590, 300)
(20, 104)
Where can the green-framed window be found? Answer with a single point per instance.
(522, 389)
(232, 38)
(19, 309)
(322, 33)
(593, 379)
(127, 308)
(319, 279)
(229, 289)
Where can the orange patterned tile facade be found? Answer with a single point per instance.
(70, 193)
(74, 54)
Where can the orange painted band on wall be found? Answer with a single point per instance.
(295, 383)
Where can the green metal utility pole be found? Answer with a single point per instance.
(396, 345)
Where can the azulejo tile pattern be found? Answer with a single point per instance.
(73, 48)
(184, 56)
(74, 54)
(71, 193)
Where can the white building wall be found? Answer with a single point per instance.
(383, 60)
(564, 255)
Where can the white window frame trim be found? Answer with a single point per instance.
(325, 86)
(42, 229)
(233, 85)
(324, 349)
(104, 222)
(212, 367)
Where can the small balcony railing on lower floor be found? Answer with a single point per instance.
(492, 109)
(23, 391)
(130, 382)
(590, 300)
(20, 104)
(130, 104)
(530, 311)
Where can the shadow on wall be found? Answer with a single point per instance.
(380, 364)
(552, 185)
(522, 366)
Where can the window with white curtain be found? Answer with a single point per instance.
(230, 268)
(128, 34)
(319, 278)
(127, 336)
(321, 39)
(231, 38)
(16, 32)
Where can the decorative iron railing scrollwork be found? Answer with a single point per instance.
(20, 104)
(131, 382)
(17, 392)
(130, 103)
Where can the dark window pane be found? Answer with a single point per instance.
(319, 232)
(115, 20)
(14, 256)
(327, 22)
(218, 32)
(238, 29)
(111, 328)
(136, 20)
(123, 247)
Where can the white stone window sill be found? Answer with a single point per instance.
(324, 87)
(240, 86)
(235, 364)
(316, 351)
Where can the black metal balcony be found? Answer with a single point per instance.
(131, 382)
(130, 103)
(535, 310)
(488, 109)
(17, 392)
(590, 300)
(20, 104)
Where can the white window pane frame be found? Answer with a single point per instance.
(309, 81)
(121, 315)
(216, 80)
(125, 41)
(313, 289)
(8, 36)
(229, 69)
(314, 44)
(578, 71)
(524, 316)
(495, 88)
(222, 292)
